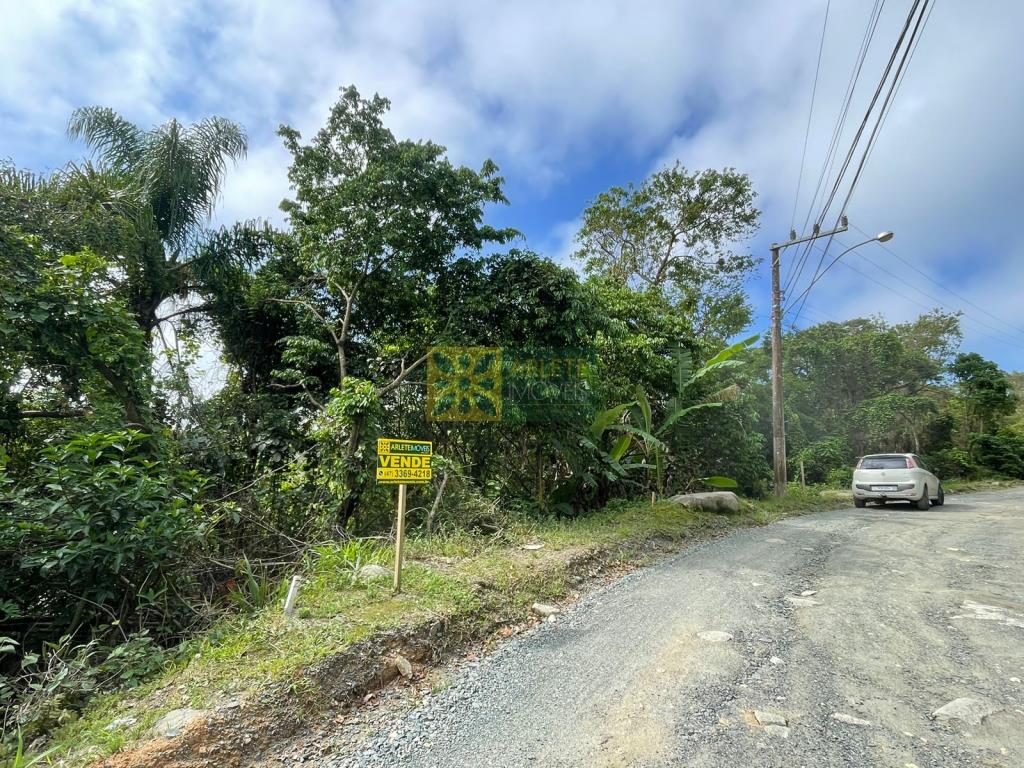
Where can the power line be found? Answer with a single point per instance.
(907, 52)
(889, 97)
(892, 289)
(810, 114)
(793, 275)
(944, 287)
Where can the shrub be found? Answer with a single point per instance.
(951, 463)
(840, 477)
(821, 458)
(1002, 452)
(103, 529)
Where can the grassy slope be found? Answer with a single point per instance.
(242, 654)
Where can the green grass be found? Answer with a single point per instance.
(473, 579)
(979, 484)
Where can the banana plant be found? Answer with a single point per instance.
(650, 434)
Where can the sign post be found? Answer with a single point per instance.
(399, 537)
(403, 463)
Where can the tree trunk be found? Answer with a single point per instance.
(353, 484)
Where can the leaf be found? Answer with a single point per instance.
(620, 447)
(648, 438)
(645, 407)
(673, 418)
(724, 358)
(717, 481)
(604, 419)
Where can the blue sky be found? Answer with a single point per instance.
(570, 98)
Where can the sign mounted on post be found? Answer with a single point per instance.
(404, 461)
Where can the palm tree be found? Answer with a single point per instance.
(178, 171)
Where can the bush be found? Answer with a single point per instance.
(822, 458)
(49, 686)
(952, 463)
(103, 529)
(1002, 453)
(840, 477)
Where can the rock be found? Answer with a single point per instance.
(176, 721)
(533, 547)
(1014, 679)
(808, 592)
(849, 719)
(970, 711)
(777, 730)
(714, 636)
(403, 666)
(373, 572)
(544, 610)
(776, 660)
(712, 501)
(801, 602)
(768, 718)
(121, 722)
(776, 541)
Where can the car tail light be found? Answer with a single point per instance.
(911, 464)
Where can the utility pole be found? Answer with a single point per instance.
(778, 417)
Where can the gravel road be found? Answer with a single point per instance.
(877, 616)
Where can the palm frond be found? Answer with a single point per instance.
(115, 140)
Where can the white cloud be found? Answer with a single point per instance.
(550, 90)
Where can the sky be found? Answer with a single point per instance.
(570, 98)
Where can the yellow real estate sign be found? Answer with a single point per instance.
(403, 461)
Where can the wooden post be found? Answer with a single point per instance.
(399, 538)
(803, 480)
(778, 420)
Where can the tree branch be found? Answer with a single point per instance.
(403, 375)
(43, 414)
(197, 308)
(338, 343)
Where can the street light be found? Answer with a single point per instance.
(778, 415)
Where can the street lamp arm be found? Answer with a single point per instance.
(877, 238)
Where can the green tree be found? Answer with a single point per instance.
(68, 344)
(986, 391)
(676, 234)
(174, 173)
(376, 219)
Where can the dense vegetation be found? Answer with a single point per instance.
(135, 504)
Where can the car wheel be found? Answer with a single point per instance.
(924, 502)
(942, 497)
(859, 503)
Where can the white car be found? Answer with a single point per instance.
(886, 477)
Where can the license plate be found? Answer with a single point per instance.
(883, 487)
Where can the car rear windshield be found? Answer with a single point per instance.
(884, 462)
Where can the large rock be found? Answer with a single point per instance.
(970, 711)
(176, 721)
(712, 501)
(373, 572)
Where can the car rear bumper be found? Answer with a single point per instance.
(902, 492)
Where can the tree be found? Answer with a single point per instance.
(67, 341)
(376, 221)
(675, 234)
(986, 391)
(176, 173)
